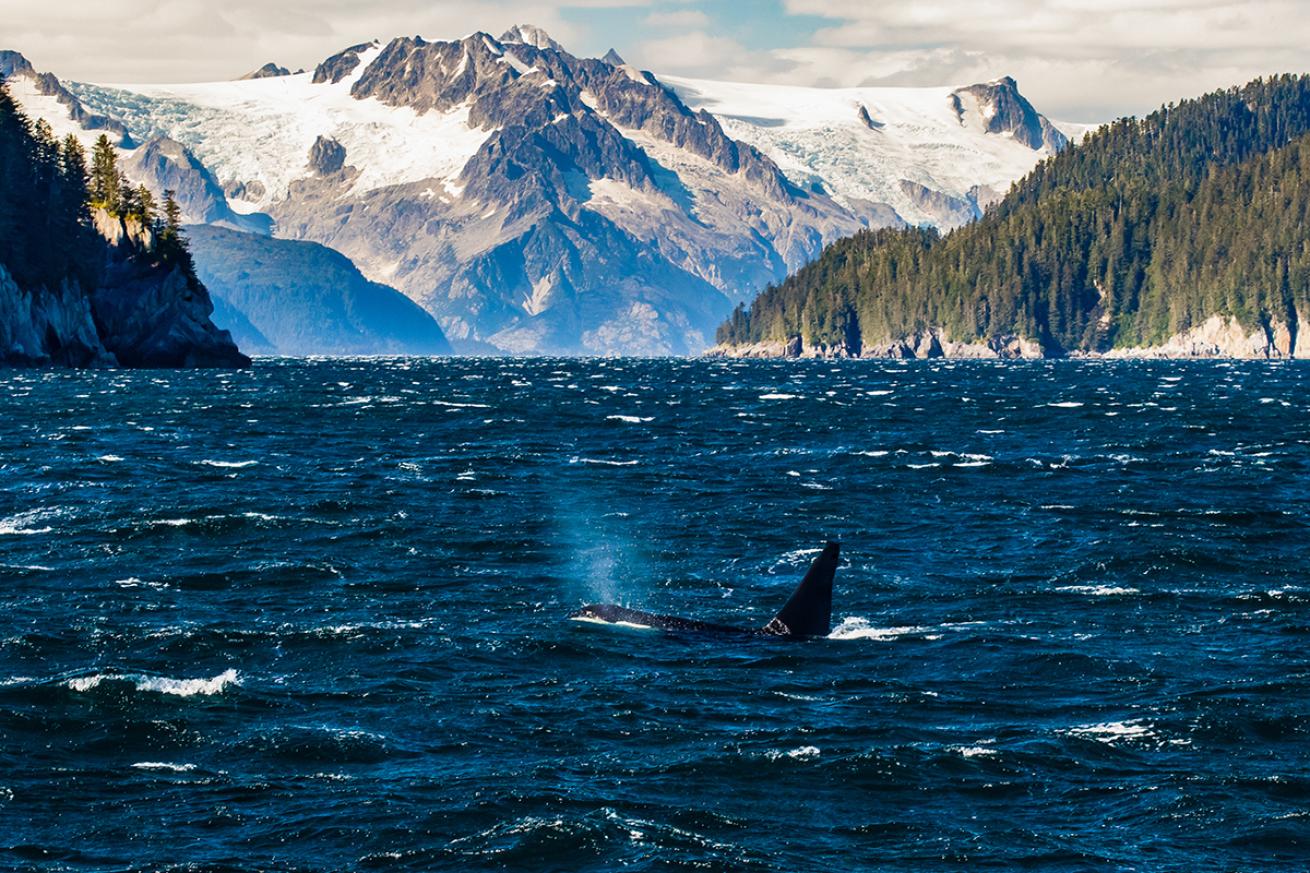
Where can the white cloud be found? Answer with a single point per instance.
(1077, 58)
(677, 19)
(196, 40)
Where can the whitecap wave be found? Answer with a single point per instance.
(628, 419)
(1115, 731)
(164, 765)
(1099, 590)
(779, 396)
(160, 684)
(801, 753)
(227, 465)
(856, 628)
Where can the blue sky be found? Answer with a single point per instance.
(1078, 60)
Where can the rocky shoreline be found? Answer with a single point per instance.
(1217, 338)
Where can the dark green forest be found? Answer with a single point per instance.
(47, 192)
(1144, 230)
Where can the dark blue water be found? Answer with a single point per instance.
(313, 617)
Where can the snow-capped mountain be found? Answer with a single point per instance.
(539, 202)
(934, 156)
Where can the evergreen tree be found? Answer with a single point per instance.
(105, 179)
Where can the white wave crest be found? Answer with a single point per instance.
(856, 628)
(161, 684)
(1099, 590)
(227, 465)
(802, 753)
(164, 765)
(1113, 731)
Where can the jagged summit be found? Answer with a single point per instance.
(614, 59)
(528, 34)
(268, 71)
(998, 108)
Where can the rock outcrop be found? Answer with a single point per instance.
(1219, 336)
(998, 108)
(138, 312)
(1225, 337)
(268, 71)
(327, 156)
(925, 344)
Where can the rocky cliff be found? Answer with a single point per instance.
(136, 313)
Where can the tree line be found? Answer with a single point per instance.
(1142, 231)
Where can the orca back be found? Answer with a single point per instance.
(809, 611)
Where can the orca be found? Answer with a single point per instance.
(807, 614)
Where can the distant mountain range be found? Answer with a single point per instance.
(537, 202)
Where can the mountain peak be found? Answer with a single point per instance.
(528, 34)
(614, 59)
(268, 71)
(997, 107)
(14, 64)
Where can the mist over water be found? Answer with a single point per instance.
(313, 616)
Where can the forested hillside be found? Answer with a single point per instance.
(1140, 233)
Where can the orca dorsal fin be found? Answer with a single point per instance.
(809, 611)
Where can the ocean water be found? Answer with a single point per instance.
(314, 617)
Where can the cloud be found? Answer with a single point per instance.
(677, 19)
(1078, 58)
(196, 40)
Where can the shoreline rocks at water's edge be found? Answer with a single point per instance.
(1218, 337)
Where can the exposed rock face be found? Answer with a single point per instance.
(48, 326)
(999, 108)
(165, 165)
(139, 314)
(954, 210)
(1219, 336)
(299, 298)
(268, 71)
(930, 343)
(340, 65)
(1224, 337)
(327, 156)
(528, 34)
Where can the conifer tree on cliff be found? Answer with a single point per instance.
(105, 185)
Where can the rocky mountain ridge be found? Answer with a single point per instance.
(537, 202)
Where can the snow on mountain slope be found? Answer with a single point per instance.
(537, 202)
(863, 144)
(261, 130)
